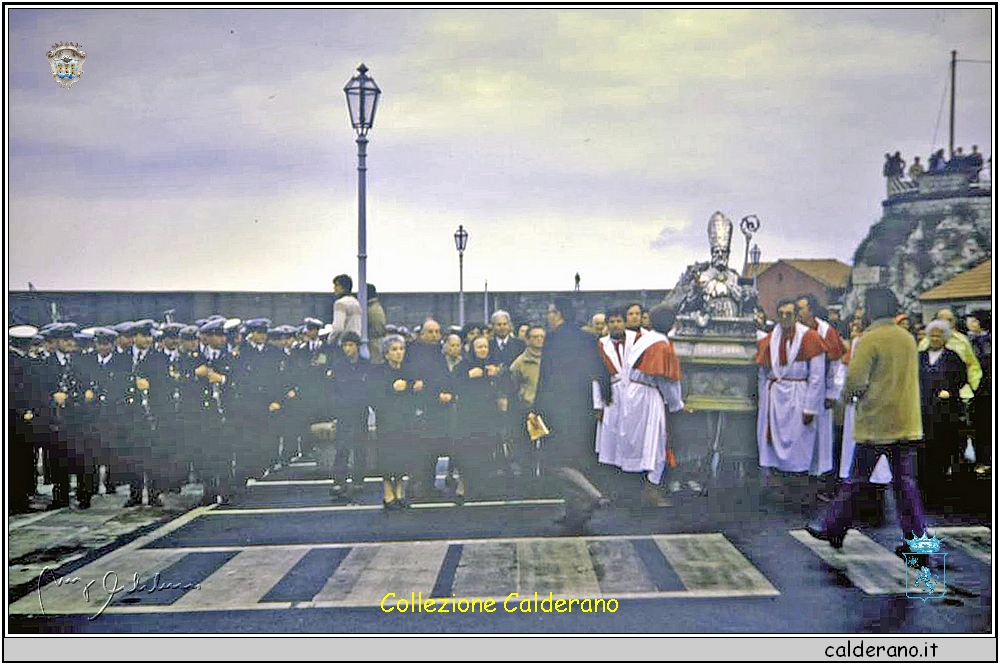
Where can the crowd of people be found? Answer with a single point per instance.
(894, 167)
(809, 414)
(459, 412)
(160, 405)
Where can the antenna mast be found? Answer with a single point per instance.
(951, 120)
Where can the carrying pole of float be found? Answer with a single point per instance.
(951, 117)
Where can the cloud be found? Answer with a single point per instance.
(672, 235)
(567, 136)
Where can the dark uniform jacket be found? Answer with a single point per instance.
(108, 380)
(255, 379)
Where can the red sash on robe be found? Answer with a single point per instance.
(660, 360)
(812, 346)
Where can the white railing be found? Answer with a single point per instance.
(898, 186)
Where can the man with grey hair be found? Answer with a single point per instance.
(504, 346)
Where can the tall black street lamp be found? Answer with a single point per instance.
(461, 240)
(362, 100)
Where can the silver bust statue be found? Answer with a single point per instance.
(712, 290)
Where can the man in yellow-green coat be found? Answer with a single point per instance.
(884, 379)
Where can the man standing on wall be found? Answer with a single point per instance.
(346, 309)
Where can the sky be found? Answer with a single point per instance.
(210, 149)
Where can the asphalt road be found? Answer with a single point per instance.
(288, 559)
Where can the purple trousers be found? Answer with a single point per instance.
(902, 458)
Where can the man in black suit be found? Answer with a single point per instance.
(148, 396)
(346, 395)
(253, 389)
(21, 407)
(287, 414)
(213, 381)
(69, 446)
(434, 440)
(175, 409)
(504, 346)
(569, 366)
(106, 373)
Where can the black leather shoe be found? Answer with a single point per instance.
(836, 541)
(60, 497)
(134, 499)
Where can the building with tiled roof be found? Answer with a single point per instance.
(965, 292)
(789, 278)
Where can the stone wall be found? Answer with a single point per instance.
(926, 238)
(409, 309)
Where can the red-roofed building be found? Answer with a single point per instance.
(790, 278)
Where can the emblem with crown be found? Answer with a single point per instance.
(923, 544)
(66, 60)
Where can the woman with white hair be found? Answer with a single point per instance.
(942, 375)
(399, 392)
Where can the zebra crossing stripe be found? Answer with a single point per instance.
(241, 579)
(708, 565)
(486, 569)
(339, 586)
(309, 575)
(360, 575)
(562, 567)
(399, 569)
(869, 566)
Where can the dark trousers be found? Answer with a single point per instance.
(170, 453)
(350, 452)
(21, 477)
(902, 457)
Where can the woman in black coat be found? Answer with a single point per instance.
(483, 392)
(399, 395)
(942, 374)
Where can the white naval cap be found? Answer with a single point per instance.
(22, 332)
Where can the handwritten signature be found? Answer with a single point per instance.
(110, 586)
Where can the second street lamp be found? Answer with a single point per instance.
(755, 263)
(461, 240)
(362, 100)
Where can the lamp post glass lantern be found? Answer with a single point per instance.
(461, 241)
(755, 262)
(362, 101)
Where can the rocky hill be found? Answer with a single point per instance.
(929, 232)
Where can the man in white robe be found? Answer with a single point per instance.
(654, 376)
(613, 348)
(791, 390)
(634, 436)
(806, 307)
